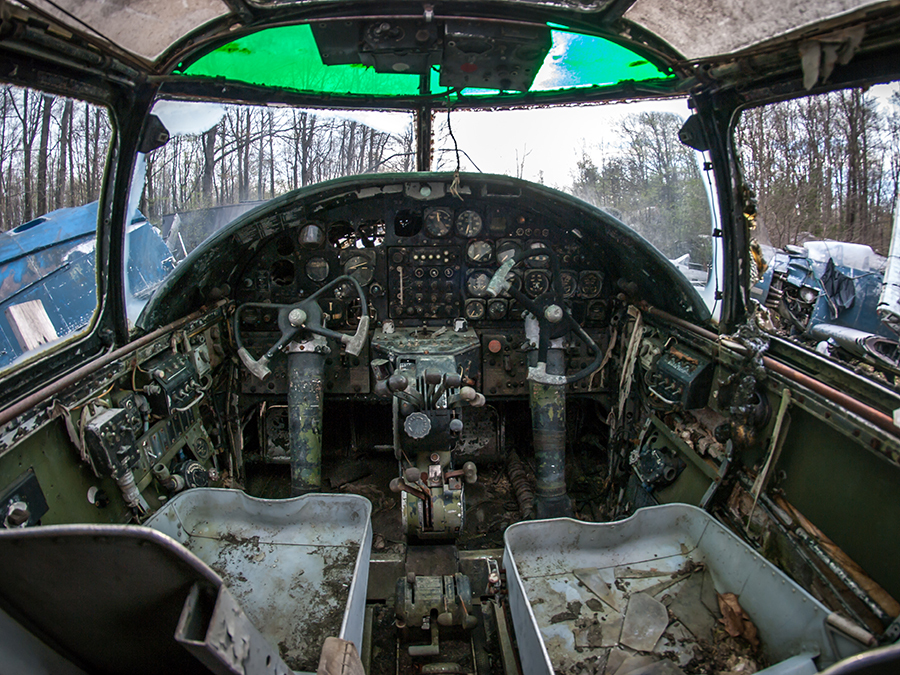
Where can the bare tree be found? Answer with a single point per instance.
(820, 168)
(43, 149)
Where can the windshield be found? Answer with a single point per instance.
(625, 159)
(52, 153)
(223, 161)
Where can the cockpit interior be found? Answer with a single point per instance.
(441, 422)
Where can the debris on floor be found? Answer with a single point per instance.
(644, 620)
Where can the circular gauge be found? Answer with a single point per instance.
(537, 282)
(407, 223)
(569, 284)
(312, 235)
(361, 268)
(468, 224)
(515, 282)
(317, 269)
(438, 222)
(591, 283)
(474, 310)
(480, 252)
(507, 250)
(538, 260)
(497, 309)
(477, 283)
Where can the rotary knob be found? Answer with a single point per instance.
(417, 425)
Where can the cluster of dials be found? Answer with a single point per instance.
(423, 282)
(360, 266)
(439, 223)
(533, 279)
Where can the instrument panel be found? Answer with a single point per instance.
(421, 262)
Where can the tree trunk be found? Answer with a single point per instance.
(27, 139)
(43, 149)
(209, 165)
(59, 196)
(307, 141)
(245, 170)
(4, 110)
(97, 171)
(271, 155)
(148, 199)
(71, 200)
(260, 173)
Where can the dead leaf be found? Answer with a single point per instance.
(731, 616)
(736, 621)
(750, 632)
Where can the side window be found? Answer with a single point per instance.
(825, 172)
(53, 153)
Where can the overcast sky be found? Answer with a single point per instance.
(550, 140)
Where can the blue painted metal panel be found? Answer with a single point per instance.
(51, 259)
(801, 271)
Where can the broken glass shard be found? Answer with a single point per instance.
(645, 621)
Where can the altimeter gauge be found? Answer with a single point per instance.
(468, 224)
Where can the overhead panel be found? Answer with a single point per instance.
(145, 28)
(288, 58)
(460, 59)
(718, 27)
(578, 5)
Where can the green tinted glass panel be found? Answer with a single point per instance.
(288, 58)
(584, 61)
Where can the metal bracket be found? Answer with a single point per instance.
(892, 632)
(539, 374)
(316, 344)
(227, 642)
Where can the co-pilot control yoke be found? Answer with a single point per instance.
(548, 324)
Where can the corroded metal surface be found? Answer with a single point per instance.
(675, 553)
(305, 394)
(548, 423)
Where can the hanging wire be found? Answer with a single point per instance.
(454, 186)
